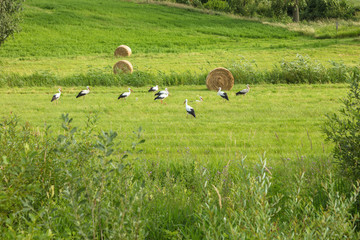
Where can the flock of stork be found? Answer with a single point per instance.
(161, 95)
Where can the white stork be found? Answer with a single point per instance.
(124, 95)
(162, 96)
(244, 91)
(154, 89)
(201, 99)
(162, 92)
(189, 109)
(83, 92)
(56, 96)
(222, 94)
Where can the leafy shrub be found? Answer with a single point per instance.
(318, 9)
(246, 72)
(26, 167)
(196, 3)
(9, 18)
(217, 5)
(81, 184)
(241, 205)
(343, 130)
(280, 9)
(301, 70)
(183, 1)
(73, 177)
(243, 7)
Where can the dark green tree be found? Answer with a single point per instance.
(320, 9)
(9, 18)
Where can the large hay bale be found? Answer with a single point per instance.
(123, 66)
(122, 51)
(220, 77)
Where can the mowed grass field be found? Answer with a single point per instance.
(188, 179)
(283, 121)
(71, 37)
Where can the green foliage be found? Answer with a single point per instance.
(343, 130)
(217, 5)
(243, 7)
(196, 3)
(9, 18)
(246, 71)
(320, 9)
(82, 184)
(302, 70)
(73, 176)
(279, 9)
(183, 1)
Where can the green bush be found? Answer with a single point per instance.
(243, 7)
(280, 9)
(301, 70)
(246, 72)
(80, 184)
(217, 5)
(320, 9)
(9, 18)
(183, 1)
(343, 130)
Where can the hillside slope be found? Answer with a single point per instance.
(67, 36)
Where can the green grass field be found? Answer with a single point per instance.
(355, 2)
(254, 167)
(283, 121)
(67, 38)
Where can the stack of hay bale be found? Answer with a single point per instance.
(122, 66)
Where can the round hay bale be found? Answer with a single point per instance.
(122, 51)
(123, 66)
(220, 77)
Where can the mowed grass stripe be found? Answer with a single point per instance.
(75, 37)
(95, 27)
(283, 121)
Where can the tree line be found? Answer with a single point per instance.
(297, 10)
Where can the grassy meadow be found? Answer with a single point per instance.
(283, 121)
(137, 169)
(75, 37)
(254, 167)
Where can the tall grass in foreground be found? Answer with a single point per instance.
(301, 70)
(80, 184)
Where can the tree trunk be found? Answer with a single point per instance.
(296, 14)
